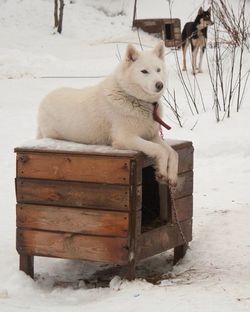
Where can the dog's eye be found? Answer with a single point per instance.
(144, 71)
(158, 70)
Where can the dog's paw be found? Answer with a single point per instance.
(172, 181)
(200, 71)
(184, 69)
(161, 178)
(172, 171)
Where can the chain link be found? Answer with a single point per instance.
(174, 214)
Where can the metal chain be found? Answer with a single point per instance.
(174, 213)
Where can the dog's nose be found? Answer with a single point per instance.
(159, 85)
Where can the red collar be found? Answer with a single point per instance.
(157, 118)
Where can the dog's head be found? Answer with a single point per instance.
(204, 18)
(143, 74)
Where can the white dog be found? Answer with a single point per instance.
(118, 111)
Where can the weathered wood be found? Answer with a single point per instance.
(158, 25)
(185, 151)
(72, 194)
(133, 221)
(185, 159)
(26, 264)
(162, 238)
(88, 206)
(184, 185)
(99, 169)
(164, 200)
(74, 220)
(184, 208)
(179, 253)
(72, 246)
(183, 205)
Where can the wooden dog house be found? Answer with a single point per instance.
(99, 204)
(168, 29)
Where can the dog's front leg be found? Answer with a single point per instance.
(194, 60)
(172, 167)
(201, 57)
(152, 149)
(184, 52)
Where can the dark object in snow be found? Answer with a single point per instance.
(99, 206)
(168, 29)
(58, 15)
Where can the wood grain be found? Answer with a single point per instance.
(72, 194)
(183, 205)
(100, 169)
(26, 264)
(186, 156)
(184, 185)
(184, 208)
(162, 238)
(72, 246)
(74, 220)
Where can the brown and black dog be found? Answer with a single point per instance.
(196, 34)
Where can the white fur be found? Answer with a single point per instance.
(117, 111)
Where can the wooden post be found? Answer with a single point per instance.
(133, 222)
(164, 200)
(179, 253)
(26, 264)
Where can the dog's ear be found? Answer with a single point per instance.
(131, 53)
(200, 11)
(159, 49)
(209, 10)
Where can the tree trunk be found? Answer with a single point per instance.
(59, 29)
(56, 14)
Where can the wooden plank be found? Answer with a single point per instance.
(72, 246)
(179, 253)
(100, 169)
(185, 159)
(135, 192)
(26, 264)
(164, 200)
(72, 194)
(162, 238)
(66, 147)
(74, 220)
(185, 151)
(179, 144)
(184, 185)
(184, 208)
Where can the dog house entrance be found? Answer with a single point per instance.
(169, 31)
(151, 212)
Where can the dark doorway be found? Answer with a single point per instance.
(169, 31)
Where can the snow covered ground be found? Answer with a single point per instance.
(215, 274)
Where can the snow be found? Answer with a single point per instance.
(215, 273)
(66, 146)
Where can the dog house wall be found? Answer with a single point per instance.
(168, 29)
(90, 205)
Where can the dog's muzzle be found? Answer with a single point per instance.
(159, 86)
